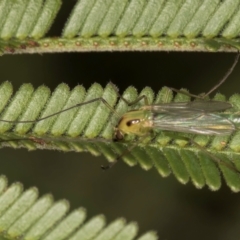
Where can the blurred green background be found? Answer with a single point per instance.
(174, 210)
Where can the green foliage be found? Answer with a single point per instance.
(97, 25)
(90, 128)
(24, 215)
(27, 18)
(155, 18)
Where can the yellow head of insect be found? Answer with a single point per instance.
(132, 122)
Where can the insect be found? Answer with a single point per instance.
(197, 117)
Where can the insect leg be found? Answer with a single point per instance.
(185, 93)
(127, 151)
(144, 97)
(110, 165)
(214, 158)
(203, 96)
(82, 104)
(64, 110)
(227, 74)
(41, 142)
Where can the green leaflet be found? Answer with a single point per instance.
(23, 214)
(120, 25)
(90, 128)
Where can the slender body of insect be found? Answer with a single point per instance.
(198, 117)
(190, 117)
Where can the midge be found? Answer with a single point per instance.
(197, 117)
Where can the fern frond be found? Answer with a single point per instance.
(154, 18)
(27, 18)
(119, 25)
(24, 215)
(90, 128)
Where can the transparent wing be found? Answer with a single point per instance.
(197, 106)
(192, 120)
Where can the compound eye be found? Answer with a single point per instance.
(131, 122)
(118, 136)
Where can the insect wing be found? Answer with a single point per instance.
(204, 106)
(191, 120)
(209, 106)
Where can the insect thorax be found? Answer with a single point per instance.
(136, 122)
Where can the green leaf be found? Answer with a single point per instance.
(24, 215)
(90, 128)
(120, 25)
